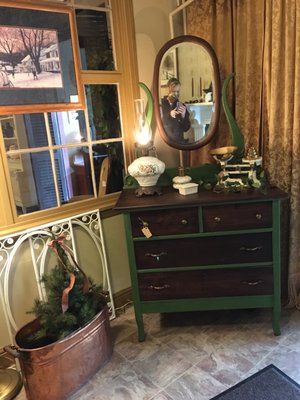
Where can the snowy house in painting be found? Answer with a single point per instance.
(49, 60)
(25, 65)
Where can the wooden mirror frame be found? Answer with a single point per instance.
(216, 92)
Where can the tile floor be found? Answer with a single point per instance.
(192, 356)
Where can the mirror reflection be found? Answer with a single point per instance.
(187, 92)
(187, 104)
(50, 162)
(175, 116)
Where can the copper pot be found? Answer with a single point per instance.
(58, 369)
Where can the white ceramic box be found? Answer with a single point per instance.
(188, 188)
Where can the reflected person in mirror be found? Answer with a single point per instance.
(175, 115)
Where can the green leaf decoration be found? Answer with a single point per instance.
(149, 112)
(236, 134)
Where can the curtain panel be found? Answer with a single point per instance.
(259, 40)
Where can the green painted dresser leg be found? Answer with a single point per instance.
(276, 322)
(140, 326)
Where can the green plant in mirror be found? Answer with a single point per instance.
(236, 134)
(103, 109)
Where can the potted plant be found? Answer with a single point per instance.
(70, 338)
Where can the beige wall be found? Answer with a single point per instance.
(152, 31)
(152, 27)
(116, 252)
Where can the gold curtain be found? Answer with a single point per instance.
(259, 40)
(206, 19)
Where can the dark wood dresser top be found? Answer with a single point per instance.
(171, 198)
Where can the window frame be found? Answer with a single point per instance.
(125, 76)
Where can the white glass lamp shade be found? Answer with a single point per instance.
(146, 170)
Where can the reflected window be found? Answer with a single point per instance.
(74, 174)
(93, 3)
(67, 127)
(109, 161)
(54, 159)
(103, 111)
(29, 131)
(95, 42)
(33, 182)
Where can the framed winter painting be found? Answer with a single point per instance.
(39, 61)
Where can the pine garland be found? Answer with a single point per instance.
(82, 305)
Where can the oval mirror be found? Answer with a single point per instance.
(186, 92)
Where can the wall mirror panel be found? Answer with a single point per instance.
(186, 92)
(57, 158)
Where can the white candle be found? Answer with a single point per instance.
(200, 87)
(192, 87)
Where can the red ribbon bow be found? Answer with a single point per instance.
(55, 244)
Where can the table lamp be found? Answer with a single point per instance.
(146, 168)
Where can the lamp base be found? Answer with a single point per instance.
(148, 191)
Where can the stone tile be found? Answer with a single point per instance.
(292, 340)
(253, 345)
(290, 321)
(163, 366)
(117, 380)
(225, 365)
(162, 396)
(192, 355)
(127, 386)
(194, 385)
(214, 336)
(167, 334)
(123, 328)
(133, 350)
(285, 359)
(192, 345)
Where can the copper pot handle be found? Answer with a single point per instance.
(13, 350)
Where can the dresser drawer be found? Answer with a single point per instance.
(166, 222)
(237, 216)
(230, 249)
(208, 283)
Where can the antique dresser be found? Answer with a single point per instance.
(204, 251)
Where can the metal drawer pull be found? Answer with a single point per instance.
(144, 223)
(253, 283)
(151, 287)
(157, 256)
(257, 248)
(258, 216)
(184, 222)
(217, 219)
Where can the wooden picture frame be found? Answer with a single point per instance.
(39, 59)
(169, 67)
